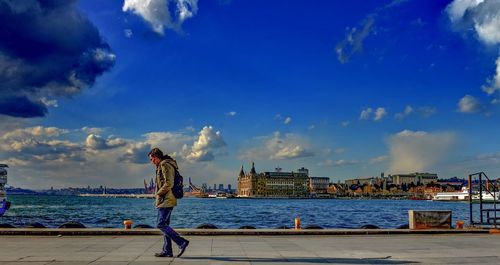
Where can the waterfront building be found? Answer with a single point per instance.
(318, 185)
(415, 178)
(360, 181)
(273, 184)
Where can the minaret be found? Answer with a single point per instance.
(252, 171)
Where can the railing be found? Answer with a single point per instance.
(484, 183)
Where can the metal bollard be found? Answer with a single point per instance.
(128, 224)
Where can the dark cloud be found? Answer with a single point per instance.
(21, 107)
(48, 48)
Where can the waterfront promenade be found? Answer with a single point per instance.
(260, 250)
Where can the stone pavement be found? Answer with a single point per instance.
(260, 250)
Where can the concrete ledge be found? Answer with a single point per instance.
(224, 232)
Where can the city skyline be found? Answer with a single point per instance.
(345, 89)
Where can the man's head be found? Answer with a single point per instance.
(155, 156)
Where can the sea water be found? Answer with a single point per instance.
(53, 211)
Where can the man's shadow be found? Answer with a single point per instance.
(381, 260)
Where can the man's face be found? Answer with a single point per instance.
(154, 160)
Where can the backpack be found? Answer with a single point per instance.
(178, 188)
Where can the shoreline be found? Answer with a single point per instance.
(225, 232)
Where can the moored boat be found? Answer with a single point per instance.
(486, 197)
(462, 195)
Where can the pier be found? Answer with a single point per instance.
(255, 249)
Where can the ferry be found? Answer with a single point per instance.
(4, 204)
(462, 195)
(486, 196)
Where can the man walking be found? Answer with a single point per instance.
(166, 201)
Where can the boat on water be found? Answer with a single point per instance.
(486, 197)
(463, 195)
(4, 204)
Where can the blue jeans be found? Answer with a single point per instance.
(169, 233)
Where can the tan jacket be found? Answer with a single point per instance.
(165, 173)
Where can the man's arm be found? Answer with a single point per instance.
(168, 173)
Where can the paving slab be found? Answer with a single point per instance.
(260, 250)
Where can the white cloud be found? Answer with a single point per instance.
(41, 150)
(412, 151)
(93, 130)
(169, 142)
(96, 142)
(34, 132)
(311, 127)
(136, 153)
(345, 123)
(379, 159)
(231, 113)
(287, 120)
(339, 163)
(276, 147)
(353, 42)
(41, 157)
(203, 148)
(49, 103)
(484, 17)
(365, 114)
(407, 112)
(158, 14)
(469, 104)
(494, 86)
(380, 113)
(456, 10)
(427, 111)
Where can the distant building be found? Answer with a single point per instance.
(229, 187)
(318, 184)
(273, 184)
(361, 181)
(415, 178)
(221, 186)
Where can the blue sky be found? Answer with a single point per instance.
(344, 88)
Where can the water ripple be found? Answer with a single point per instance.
(53, 211)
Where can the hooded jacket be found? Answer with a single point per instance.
(165, 173)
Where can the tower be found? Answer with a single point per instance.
(242, 173)
(252, 171)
